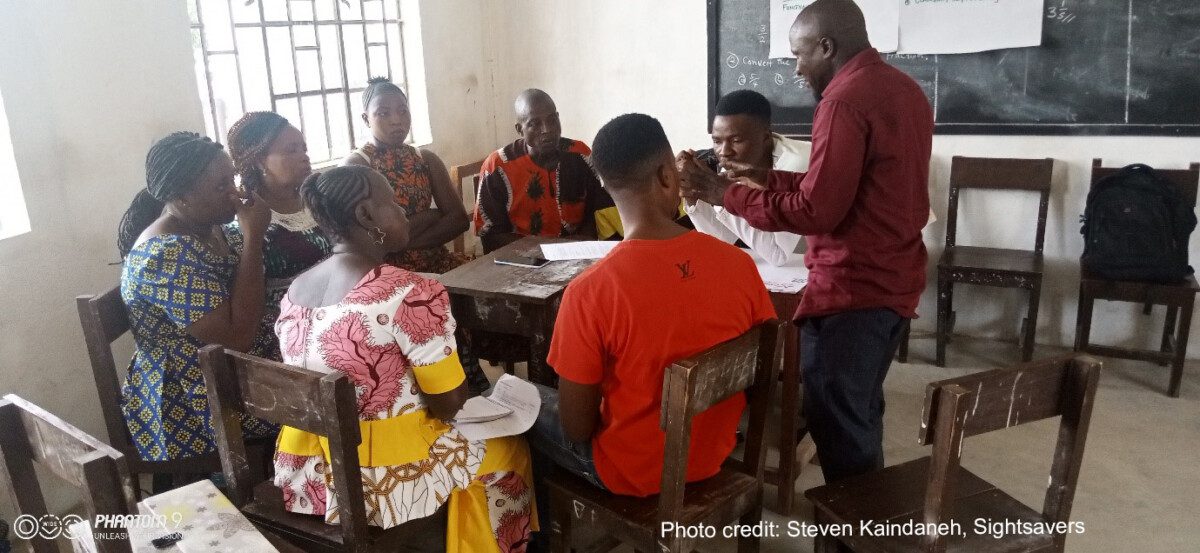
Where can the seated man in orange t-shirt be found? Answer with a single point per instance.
(663, 294)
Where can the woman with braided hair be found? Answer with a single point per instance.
(391, 332)
(270, 157)
(418, 178)
(184, 286)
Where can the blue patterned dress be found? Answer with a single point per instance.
(168, 283)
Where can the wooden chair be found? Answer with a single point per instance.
(30, 436)
(104, 320)
(937, 490)
(801, 451)
(320, 403)
(457, 174)
(690, 386)
(1178, 298)
(1007, 268)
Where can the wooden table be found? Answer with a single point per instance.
(520, 301)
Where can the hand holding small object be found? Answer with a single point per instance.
(253, 215)
(698, 182)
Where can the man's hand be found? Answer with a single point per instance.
(746, 174)
(699, 182)
(683, 158)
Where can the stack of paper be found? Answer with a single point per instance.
(789, 278)
(593, 249)
(509, 410)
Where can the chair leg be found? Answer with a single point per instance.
(902, 353)
(1035, 296)
(789, 410)
(1181, 340)
(750, 544)
(823, 543)
(1169, 332)
(1083, 318)
(945, 303)
(510, 367)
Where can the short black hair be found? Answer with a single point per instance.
(745, 102)
(627, 149)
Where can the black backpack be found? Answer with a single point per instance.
(1136, 227)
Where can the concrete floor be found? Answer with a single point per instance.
(1140, 481)
(1141, 471)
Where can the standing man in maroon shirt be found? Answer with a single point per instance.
(861, 206)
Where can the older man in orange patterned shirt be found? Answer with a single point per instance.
(541, 184)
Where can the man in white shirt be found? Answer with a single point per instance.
(741, 133)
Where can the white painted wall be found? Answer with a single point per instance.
(88, 87)
(601, 58)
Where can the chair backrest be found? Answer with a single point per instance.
(321, 403)
(975, 404)
(690, 386)
(1185, 180)
(457, 174)
(30, 436)
(104, 319)
(999, 174)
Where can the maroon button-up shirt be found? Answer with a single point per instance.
(864, 199)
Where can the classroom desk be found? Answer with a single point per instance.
(520, 301)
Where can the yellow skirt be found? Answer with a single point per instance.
(411, 465)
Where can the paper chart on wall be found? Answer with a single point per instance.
(883, 23)
(965, 26)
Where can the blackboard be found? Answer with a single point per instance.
(1105, 67)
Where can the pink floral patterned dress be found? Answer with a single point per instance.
(393, 335)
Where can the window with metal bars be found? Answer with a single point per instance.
(14, 219)
(307, 60)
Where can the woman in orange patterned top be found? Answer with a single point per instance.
(419, 178)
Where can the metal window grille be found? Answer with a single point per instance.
(308, 60)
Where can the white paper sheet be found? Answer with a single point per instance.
(789, 278)
(209, 522)
(883, 23)
(963, 26)
(480, 409)
(516, 395)
(593, 249)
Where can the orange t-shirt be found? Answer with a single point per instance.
(647, 304)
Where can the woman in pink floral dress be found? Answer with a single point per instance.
(391, 332)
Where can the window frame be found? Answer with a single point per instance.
(343, 90)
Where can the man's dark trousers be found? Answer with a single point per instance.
(844, 358)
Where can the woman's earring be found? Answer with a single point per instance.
(382, 235)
